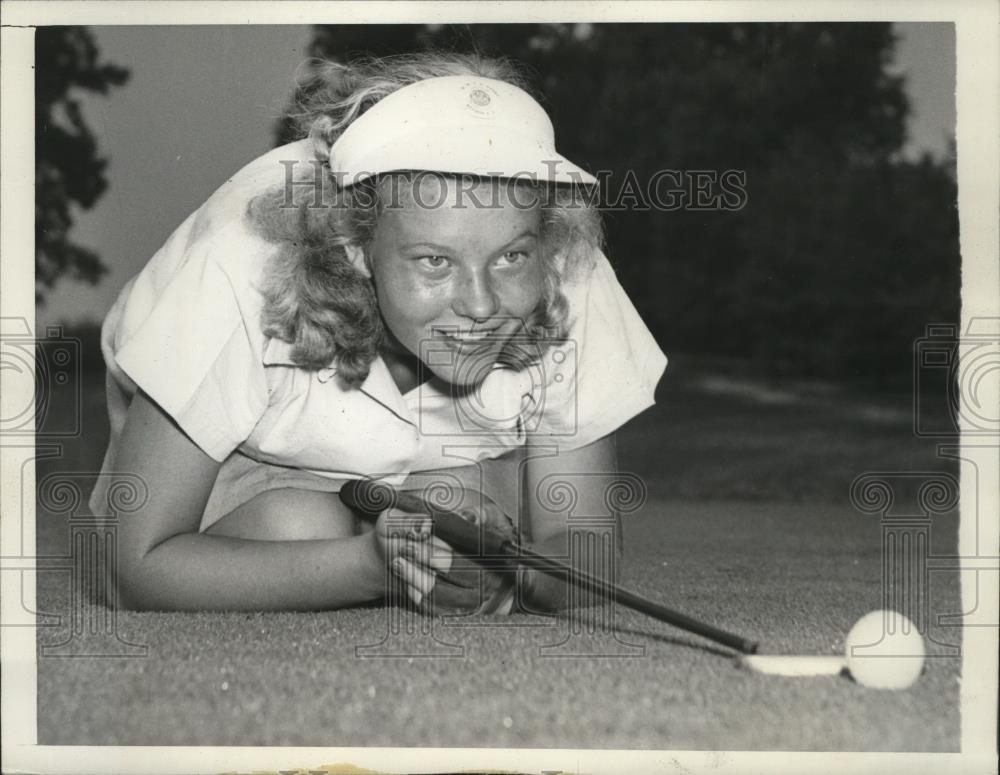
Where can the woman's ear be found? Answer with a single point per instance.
(356, 255)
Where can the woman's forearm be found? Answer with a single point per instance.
(196, 571)
(596, 552)
(591, 545)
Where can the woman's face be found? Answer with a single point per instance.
(458, 271)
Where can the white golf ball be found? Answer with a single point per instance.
(884, 650)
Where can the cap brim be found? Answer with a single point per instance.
(480, 151)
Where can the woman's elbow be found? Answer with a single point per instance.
(124, 594)
(128, 586)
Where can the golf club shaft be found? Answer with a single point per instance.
(618, 594)
(372, 498)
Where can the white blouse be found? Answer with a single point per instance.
(187, 331)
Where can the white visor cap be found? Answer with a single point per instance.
(456, 124)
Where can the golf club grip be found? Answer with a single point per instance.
(370, 499)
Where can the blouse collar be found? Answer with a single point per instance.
(378, 385)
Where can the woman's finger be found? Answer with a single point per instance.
(440, 554)
(433, 554)
(419, 582)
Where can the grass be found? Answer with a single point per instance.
(748, 525)
(713, 436)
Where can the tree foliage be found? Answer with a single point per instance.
(68, 168)
(842, 251)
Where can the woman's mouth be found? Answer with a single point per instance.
(457, 336)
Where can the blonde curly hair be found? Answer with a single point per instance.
(314, 297)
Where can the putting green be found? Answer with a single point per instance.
(794, 577)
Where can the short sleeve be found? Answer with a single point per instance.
(607, 371)
(197, 352)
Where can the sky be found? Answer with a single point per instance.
(202, 102)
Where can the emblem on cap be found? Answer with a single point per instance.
(481, 99)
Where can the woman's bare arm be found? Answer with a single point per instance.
(164, 563)
(588, 471)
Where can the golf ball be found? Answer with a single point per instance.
(884, 651)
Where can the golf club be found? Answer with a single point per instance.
(369, 499)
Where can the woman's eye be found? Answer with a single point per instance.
(512, 257)
(433, 262)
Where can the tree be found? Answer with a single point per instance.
(68, 169)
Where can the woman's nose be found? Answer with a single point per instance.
(476, 298)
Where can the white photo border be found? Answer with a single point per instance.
(978, 162)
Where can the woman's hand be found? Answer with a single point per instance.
(410, 550)
(469, 579)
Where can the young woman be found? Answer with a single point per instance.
(416, 286)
